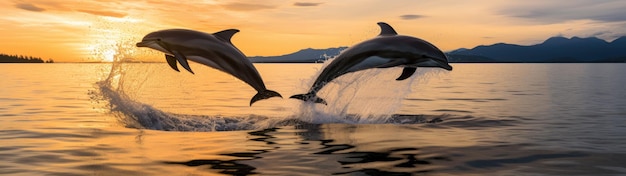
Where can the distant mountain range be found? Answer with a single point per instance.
(308, 55)
(553, 50)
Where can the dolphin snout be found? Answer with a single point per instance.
(146, 42)
(435, 63)
(445, 66)
(143, 43)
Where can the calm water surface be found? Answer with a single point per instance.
(479, 119)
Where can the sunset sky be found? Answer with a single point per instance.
(79, 31)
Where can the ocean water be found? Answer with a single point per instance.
(479, 119)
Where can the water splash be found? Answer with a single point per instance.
(369, 96)
(119, 90)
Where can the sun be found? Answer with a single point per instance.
(102, 50)
(108, 55)
(112, 39)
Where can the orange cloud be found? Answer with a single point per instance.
(238, 6)
(29, 7)
(307, 4)
(411, 17)
(104, 13)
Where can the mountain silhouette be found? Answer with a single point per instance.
(552, 50)
(308, 55)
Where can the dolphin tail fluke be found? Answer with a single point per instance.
(406, 73)
(264, 95)
(309, 97)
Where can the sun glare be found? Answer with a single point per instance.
(109, 55)
(101, 49)
(113, 39)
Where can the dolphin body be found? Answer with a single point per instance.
(386, 50)
(214, 50)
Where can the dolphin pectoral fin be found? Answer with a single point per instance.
(406, 73)
(309, 97)
(264, 95)
(171, 60)
(182, 60)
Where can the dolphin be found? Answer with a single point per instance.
(214, 50)
(388, 49)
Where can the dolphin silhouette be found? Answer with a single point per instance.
(386, 50)
(214, 50)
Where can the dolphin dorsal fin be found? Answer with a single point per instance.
(225, 35)
(386, 29)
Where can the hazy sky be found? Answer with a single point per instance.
(77, 30)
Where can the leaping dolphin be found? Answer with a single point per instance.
(214, 50)
(386, 50)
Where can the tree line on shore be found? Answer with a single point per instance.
(5, 58)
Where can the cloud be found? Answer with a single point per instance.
(29, 7)
(104, 13)
(411, 16)
(599, 33)
(558, 11)
(617, 35)
(238, 6)
(307, 4)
